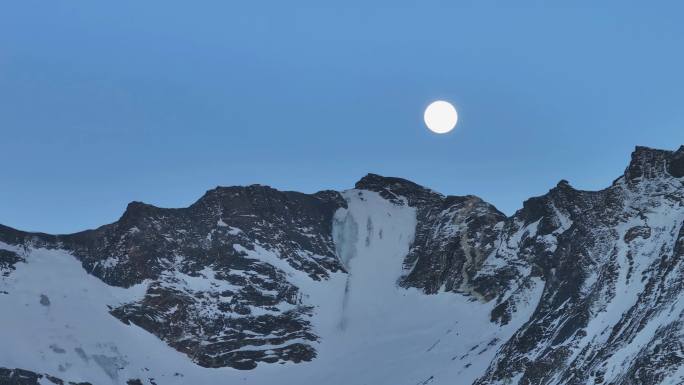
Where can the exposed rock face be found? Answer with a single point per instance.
(209, 294)
(146, 238)
(240, 299)
(27, 377)
(220, 287)
(612, 261)
(454, 235)
(8, 259)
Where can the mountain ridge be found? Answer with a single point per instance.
(642, 156)
(237, 279)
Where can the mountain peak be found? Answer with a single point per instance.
(135, 211)
(374, 181)
(391, 187)
(676, 166)
(650, 163)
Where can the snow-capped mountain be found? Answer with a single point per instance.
(387, 283)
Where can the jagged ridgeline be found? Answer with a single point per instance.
(385, 283)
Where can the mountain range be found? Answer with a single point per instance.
(388, 283)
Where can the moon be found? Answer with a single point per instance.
(440, 117)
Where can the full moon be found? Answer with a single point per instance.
(440, 117)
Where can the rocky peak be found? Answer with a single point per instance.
(392, 188)
(546, 207)
(229, 192)
(264, 201)
(136, 212)
(246, 197)
(676, 164)
(648, 163)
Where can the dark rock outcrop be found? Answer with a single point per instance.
(250, 303)
(27, 377)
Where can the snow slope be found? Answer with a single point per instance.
(392, 335)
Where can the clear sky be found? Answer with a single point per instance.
(102, 103)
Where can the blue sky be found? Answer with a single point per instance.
(102, 103)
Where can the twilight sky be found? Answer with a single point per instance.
(102, 103)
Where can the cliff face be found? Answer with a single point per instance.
(577, 287)
(611, 262)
